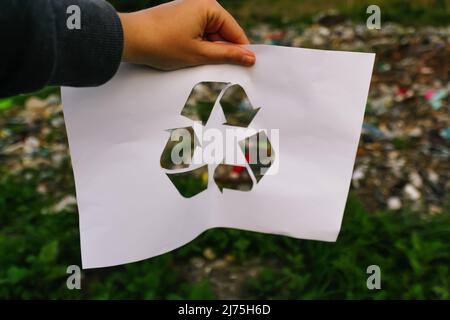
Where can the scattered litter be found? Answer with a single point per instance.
(416, 179)
(31, 145)
(445, 133)
(403, 155)
(209, 254)
(436, 99)
(394, 203)
(411, 192)
(64, 203)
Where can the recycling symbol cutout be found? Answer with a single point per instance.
(238, 112)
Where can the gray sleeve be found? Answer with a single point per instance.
(41, 50)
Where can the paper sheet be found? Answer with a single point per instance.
(130, 210)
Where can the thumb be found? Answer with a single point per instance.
(219, 52)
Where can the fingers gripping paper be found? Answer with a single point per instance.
(136, 202)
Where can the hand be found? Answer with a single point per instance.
(182, 33)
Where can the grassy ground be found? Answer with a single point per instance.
(292, 11)
(415, 12)
(36, 248)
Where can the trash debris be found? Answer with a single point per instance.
(445, 133)
(209, 254)
(65, 203)
(394, 203)
(435, 99)
(411, 192)
(403, 155)
(416, 179)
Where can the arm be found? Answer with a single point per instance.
(40, 50)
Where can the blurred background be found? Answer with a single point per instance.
(397, 214)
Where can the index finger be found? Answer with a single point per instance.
(222, 22)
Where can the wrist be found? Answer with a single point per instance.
(127, 41)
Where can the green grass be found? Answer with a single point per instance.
(36, 246)
(288, 12)
(19, 100)
(293, 12)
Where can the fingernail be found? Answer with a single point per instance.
(248, 60)
(247, 51)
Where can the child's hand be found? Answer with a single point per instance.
(180, 33)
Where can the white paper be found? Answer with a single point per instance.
(129, 209)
